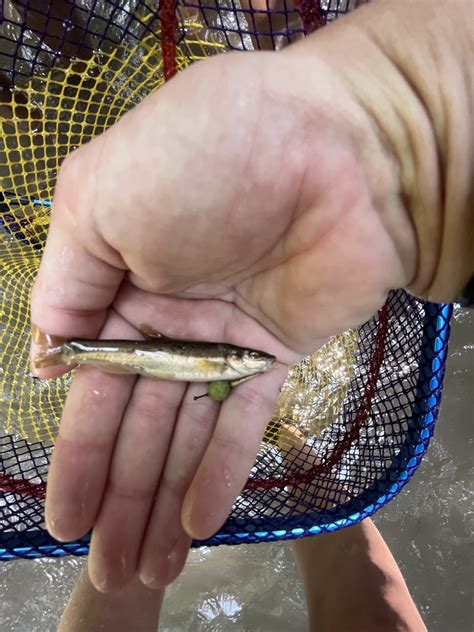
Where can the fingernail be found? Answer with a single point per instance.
(187, 517)
(53, 527)
(199, 521)
(148, 578)
(165, 575)
(100, 582)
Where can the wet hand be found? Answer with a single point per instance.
(226, 207)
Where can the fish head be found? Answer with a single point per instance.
(249, 362)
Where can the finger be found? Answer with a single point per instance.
(73, 288)
(166, 544)
(138, 460)
(81, 457)
(231, 454)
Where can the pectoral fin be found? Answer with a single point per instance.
(243, 379)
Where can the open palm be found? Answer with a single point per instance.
(221, 208)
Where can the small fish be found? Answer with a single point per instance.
(162, 359)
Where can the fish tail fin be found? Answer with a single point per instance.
(48, 350)
(51, 357)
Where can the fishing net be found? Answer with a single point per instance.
(352, 421)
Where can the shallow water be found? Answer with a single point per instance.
(428, 528)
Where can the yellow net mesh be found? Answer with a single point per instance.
(49, 116)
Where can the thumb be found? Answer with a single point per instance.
(74, 287)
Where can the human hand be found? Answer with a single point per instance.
(229, 206)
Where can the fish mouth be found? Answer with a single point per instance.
(273, 363)
(267, 364)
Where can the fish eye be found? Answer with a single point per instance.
(254, 355)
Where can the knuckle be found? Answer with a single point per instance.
(252, 401)
(151, 403)
(176, 485)
(201, 417)
(124, 491)
(229, 443)
(147, 408)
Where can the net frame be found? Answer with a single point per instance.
(21, 502)
(36, 542)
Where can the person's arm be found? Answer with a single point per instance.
(352, 583)
(351, 580)
(134, 607)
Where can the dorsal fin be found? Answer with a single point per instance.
(151, 333)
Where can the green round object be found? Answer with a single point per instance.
(218, 390)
